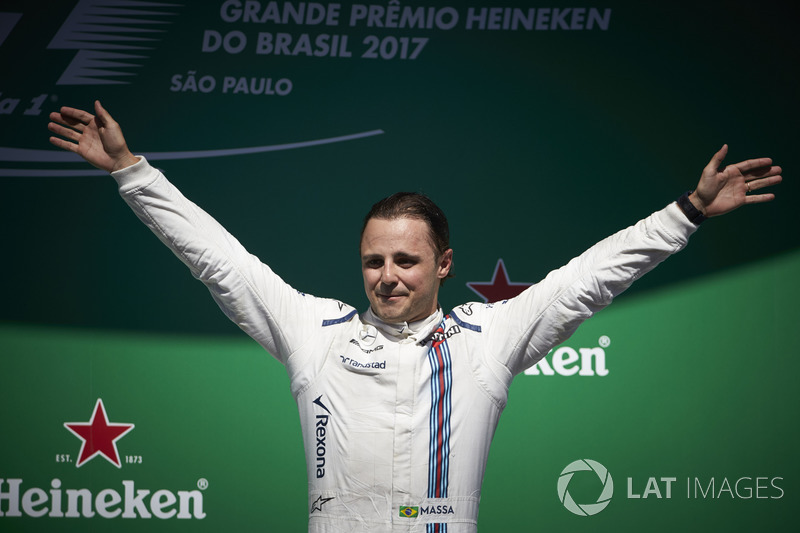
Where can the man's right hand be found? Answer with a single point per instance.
(96, 138)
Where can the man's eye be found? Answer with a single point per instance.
(373, 263)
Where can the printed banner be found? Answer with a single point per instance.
(128, 398)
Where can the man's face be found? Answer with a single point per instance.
(401, 269)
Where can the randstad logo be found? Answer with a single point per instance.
(585, 509)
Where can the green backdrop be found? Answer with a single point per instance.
(536, 142)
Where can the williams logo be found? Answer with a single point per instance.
(98, 436)
(438, 336)
(586, 509)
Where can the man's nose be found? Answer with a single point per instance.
(388, 274)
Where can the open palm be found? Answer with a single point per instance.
(722, 191)
(96, 138)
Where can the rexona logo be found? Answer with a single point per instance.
(321, 431)
(586, 509)
(98, 437)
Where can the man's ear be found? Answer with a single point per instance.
(445, 263)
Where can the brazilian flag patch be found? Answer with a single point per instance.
(409, 512)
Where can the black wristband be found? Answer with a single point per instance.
(692, 213)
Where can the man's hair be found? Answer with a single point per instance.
(419, 206)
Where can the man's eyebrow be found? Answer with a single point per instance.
(396, 255)
(406, 255)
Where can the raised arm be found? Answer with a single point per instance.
(547, 313)
(277, 316)
(96, 138)
(722, 191)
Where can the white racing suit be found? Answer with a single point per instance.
(396, 418)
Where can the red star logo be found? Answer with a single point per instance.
(499, 288)
(98, 436)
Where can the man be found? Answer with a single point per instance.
(398, 405)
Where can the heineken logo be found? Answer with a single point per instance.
(98, 436)
(18, 500)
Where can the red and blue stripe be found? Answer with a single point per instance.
(441, 408)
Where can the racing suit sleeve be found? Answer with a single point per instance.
(278, 317)
(527, 327)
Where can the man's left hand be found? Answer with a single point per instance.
(722, 191)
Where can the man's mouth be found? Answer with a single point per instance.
(390, 297)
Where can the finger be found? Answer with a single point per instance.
(57, 120)
(754, 185)
(103, 116)
(759, 198)
(58, 117)
(763, 172)
(77, 115)
(750, 164)
(65, 145)
(69, 133)
(717, 159)
(67, 120)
